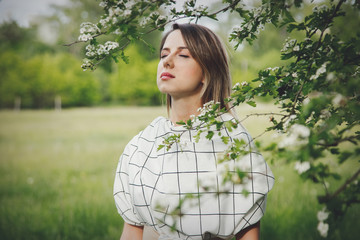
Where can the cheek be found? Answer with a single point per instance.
(196, 72)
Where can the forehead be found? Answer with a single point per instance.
(174, 40)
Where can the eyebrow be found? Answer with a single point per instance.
(179, 48)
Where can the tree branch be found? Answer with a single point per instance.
(181, 17)
(70, 44)
(262, 114)
(328, 197)
(334, 144)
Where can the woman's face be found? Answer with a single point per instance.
(178, 74)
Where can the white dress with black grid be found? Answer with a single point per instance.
(180, 192)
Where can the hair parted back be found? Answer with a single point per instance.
(207, 50)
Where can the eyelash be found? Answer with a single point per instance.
(184, 56)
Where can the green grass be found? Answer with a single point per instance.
(57, 171)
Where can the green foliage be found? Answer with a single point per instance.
(38, 80)
(135, 83)
(316, 87)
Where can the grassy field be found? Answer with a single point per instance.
(57, 171)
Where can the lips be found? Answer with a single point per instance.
(166, 75)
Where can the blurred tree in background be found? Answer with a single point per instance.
(37, 68)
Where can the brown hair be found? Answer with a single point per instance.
(207, 50)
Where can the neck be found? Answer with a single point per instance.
(182, 109)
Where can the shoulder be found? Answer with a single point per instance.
(238, 130)
(150, 132)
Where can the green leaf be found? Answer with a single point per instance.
(210, 135)
(271, 147)
(189, 123)
(225, 139)
(344, 156)
(181, 123)
(160, 147)
(334, 150)
(251, 103)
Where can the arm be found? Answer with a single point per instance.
(250, 233)
(131, 232)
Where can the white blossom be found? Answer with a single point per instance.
(306, 101)
(237, 29)
(324, 114)
(103, 4)
(127, 12)
(323, 229)
(244, 84)
(87, 64)
(117, 32)
(160, 18)
(294, 75)
(87, 31)
(143, 22)
(85, 37)
(338, 99)
(102, 50)
(297, 135)
(117, 11)
(302, 167)
(236, 86)
(104, 21)
(319, 71)
(130, 4)
(296, 48)
(201, 8)
(289, 44)
(322, 215)
(88, 27)
(289, 120)
(273, 69)
(90, 54)
(300, 130)
(90, 47)
(320, 8)
(106, 48)
(111, 45)
(330, 76)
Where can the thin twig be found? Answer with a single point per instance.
(69, 44)
(334, 144)
(328, 197)
(262, 114)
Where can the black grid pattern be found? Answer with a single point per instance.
(149, 184)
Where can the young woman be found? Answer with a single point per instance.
(152, 187)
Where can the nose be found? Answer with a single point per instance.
(168, 61)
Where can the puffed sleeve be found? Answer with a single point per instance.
(122, 191)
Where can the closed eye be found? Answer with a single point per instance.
(185, 56)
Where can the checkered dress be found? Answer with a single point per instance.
(180, 192)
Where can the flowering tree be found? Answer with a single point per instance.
(316, 89)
